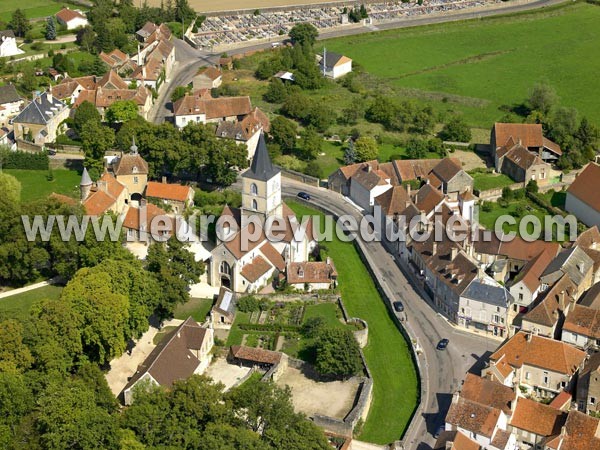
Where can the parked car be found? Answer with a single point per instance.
(439, 430)
(443, 344)
(304, 196)
(398, 306)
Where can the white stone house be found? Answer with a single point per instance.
(8, 44)
(72, 19)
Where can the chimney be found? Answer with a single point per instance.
(433, 247)
(164, 180)
(102, 186)
(454, 253)
(562, 299)
(48, 96)
(369, 168)
(528, 335)
(408, 189)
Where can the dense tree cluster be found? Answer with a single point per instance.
(299, 59)
(112, 24)
(401, 116)
(576, 135)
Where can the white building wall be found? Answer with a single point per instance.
(182, 120)
(8, 47)
(583, 212)
(342, 69)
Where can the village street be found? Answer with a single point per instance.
(441, 371)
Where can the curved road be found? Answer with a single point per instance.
(188, 59)
(442, 372)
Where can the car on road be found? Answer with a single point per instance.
(439, 430)
(398, 306)
(304, 196)
(443, 344)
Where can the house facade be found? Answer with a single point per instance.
(334, 65)
(72, 19)
(582, 199)
(8, 44)
(40, 120)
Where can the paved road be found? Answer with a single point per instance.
(188, 59)
(187, 62)
(442, 371)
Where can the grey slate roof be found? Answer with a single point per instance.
(486, 293)
(9, 94)
(85, 178)
(573, 261)
(331, 59)
(7, 33)
(39, 111)
(261, 169)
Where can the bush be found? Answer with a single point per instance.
(456, 130)
(274, 327)
(532, 186)
(487, 207)
(24, 160)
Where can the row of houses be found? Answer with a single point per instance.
(234, 117)
(483, 282)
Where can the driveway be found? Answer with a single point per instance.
(125, 366)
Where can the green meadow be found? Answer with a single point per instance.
(485, 67)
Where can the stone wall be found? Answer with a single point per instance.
(277, 370)
(298, 176)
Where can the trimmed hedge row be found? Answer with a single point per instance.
(275, 327)
(26, 160)
(542, 202)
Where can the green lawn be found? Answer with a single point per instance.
(388, 355)
(32, 8)
(35, 184)
(488, 219)
(478, 66)
(18, 306)
(198, 308)
(485, 181)
(556, 198)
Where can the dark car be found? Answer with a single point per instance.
(443, 344)
(439, 430)
(398, 306)
(303, 195)
(51, 152)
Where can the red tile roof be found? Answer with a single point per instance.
(586, 186)
(256, 269)
(257, 355)
(66, 15)
(167, 191)
(273, 255)
(135, 216)
(311, 272)
(537, 418)
(541, 352)
(108, 190)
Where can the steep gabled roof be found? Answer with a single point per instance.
(173, 359)
(41, 110)
(537, 418)
(9, 94)
(586, 186)
(488, 392)
(529, 134)
(261, 169)
(447, 169)
(129, 164)
(545, 353)
(66, 15)
(393, 201)
(256, 269)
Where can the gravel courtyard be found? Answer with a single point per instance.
(333, 398)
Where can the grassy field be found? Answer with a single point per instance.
(485, 181)
(35, 184)
(478, 67)
(488, 219)
(18, 306)
(198, 308)
(388, 356)
(32, 8)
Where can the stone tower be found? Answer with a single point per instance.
(261, 185)
(85, 186)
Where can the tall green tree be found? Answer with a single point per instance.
(283, 132)
(304, 34)
(96, 140)
(337, 353)
(50, 29)
(121, 111)
(542, 98)
(84, 113)
(366, 149)
(19, 23)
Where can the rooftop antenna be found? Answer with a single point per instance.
(324, 60)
